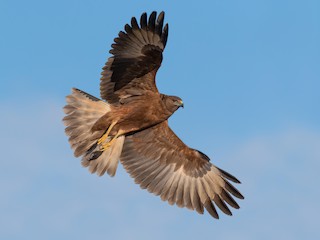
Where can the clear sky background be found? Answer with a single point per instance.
(249, 74)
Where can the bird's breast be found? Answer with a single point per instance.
(141, 115)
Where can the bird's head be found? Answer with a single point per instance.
(172, 103)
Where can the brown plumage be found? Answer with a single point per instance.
(130, 125)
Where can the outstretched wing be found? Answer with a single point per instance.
(137, 55)
(161, 163)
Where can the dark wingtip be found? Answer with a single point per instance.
(221, 205)
(134, 24)
(152, 21)
(226, 197)
(159, 24)
(164, 36)
(160, 18)
(143, 20)
(233, 190)
(211, 209)
(228, 176)
(240, 196)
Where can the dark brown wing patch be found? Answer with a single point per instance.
(137, 52)
(126, 69)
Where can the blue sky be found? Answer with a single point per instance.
(249, 75)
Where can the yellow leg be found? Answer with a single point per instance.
(108, 144)
(105, 136)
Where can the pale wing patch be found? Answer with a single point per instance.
(180, 175)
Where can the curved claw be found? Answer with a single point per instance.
(105, 146)
(106, 135)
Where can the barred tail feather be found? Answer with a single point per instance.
(82, 111)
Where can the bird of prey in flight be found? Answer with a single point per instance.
(130, 124)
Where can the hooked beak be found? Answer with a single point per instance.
(181, 104)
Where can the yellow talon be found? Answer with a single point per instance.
(105, 136)
(102, 139)
(105, 146)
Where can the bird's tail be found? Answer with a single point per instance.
(82, 111)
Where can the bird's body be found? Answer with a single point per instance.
(134, 115)
(130, 124)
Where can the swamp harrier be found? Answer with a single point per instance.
(130, 125)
